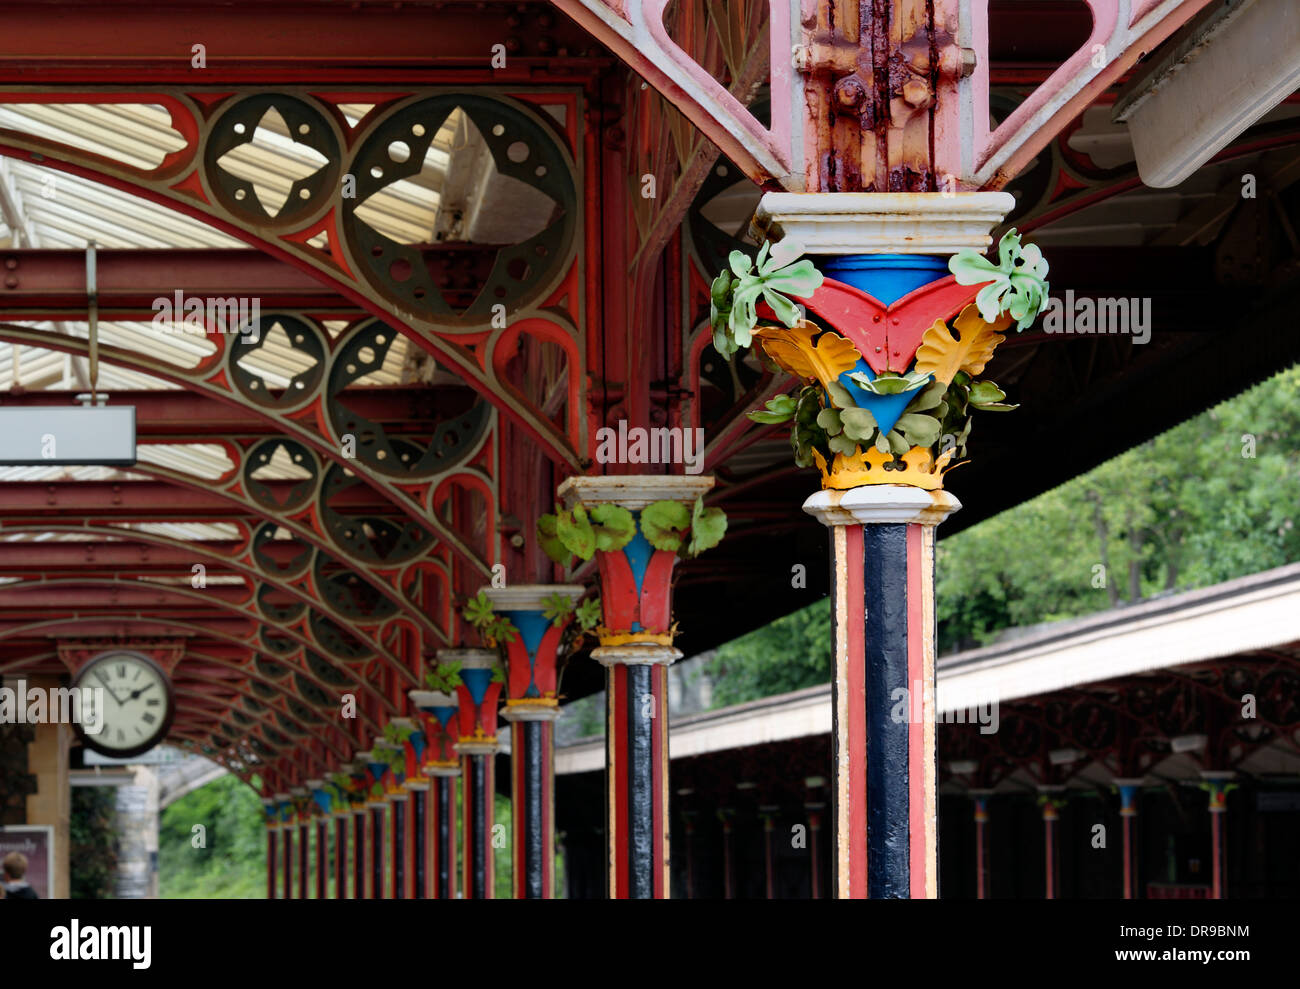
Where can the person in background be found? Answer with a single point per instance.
(14, 885)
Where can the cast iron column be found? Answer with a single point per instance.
(1216, 785)
(1129, 791)
(636, 649)
(532, 708)
(478, 746)
(441, 766)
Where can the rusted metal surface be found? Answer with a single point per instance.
(873, 71)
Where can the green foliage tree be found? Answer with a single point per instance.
(92, 835)
(233, 863)
(1205, 502)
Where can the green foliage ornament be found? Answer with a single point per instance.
(444, 678)
(492, 628)
(556, 608)
(667, 525)
(888, 383)
(1017, 283)
(773, 275)
(590, 615)
(678, 528)
(580, 531)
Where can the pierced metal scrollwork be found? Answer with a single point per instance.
(411, 275)
(229, 177)
(337, 640)
(396, 455)
(367, 537)
(285, 346)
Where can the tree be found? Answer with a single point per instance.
(1207, 501)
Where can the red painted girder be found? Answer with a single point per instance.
(128, 281)
(38, 599)
(150, 500)
(30, 557)
(126, 626)
(308, 41)
(400, 409)
(44, 283)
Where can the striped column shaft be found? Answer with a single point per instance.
(397, 825)
(377, 851)
(478, 781)
(1216, 785)
(270, 861)
(1051, 799)
(532, 796)
(1129, 790)
(442, 812)
(814, 852)
(340, 856)
(322, 847)
(769, 865)
(636, 757)
(304, 829)
(359, 854)
(417, 830)
(981, 799)
(885, 816)
(286, 833)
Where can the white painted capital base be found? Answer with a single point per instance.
(650, 654)
(885, 504)
(633, 491)
(530, 712)
(478, 748)
(440, 771)
(831, 223)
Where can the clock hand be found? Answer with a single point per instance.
(100, 677)
(137, 693)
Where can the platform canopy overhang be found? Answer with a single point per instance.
(459, 279)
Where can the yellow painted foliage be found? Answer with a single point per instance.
(943, 355)
(795, 351)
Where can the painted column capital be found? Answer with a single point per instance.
(634, 491)
(1217, 782)
(1129, 788)
(477, 694)
(833, 223)
(532, 672)
(895, 504)
(437, 712)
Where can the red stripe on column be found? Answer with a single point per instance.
(518, 851)
(548, 809)
(857, 708)
(916, 681)
(616, 747)
(659, 743)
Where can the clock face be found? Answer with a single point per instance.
(136, 704)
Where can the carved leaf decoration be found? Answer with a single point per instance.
(943, 355)
(795, 351)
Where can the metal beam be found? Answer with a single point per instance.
(176, 415)
(307, 41)
(151, 501)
